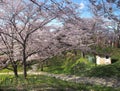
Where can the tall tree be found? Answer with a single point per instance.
(109, 9)
(9, 50)
(26, 18)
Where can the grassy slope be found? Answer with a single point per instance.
(112, 70)
(81, 66)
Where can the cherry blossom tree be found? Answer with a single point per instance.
(27, 24)
(26, 17)
(109, 9)
(9, 54)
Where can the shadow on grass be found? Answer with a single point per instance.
(39, 89)
(45, 83)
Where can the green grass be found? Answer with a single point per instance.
(76, 66)
(44, 83)
(112, 70)
(54, 69)
(5, 71)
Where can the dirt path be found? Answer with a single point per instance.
(77, 79)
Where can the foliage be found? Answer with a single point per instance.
(81, 66)
(113, 52)
(5, 70)
(54, 64)
(103, 49)
(69, 64)
(116, 54)
(44, 83)
(112, 70)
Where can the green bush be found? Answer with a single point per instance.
(116, 53)
(54, 65)
(61, 63)
(112, 70)
(81, 66)
(67, 65)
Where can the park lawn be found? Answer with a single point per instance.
(45, 83)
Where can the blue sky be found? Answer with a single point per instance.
(85, 11)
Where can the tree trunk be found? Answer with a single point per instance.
(118, 41)
(116, 44)
(24, 62)
(75, 52)
(95, 60)
(41, 66)
(15, 70)
(82, 54)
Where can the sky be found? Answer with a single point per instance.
(85, 11)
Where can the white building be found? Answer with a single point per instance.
(103, 60)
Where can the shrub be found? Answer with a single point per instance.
(112, 70)
(81, 66)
